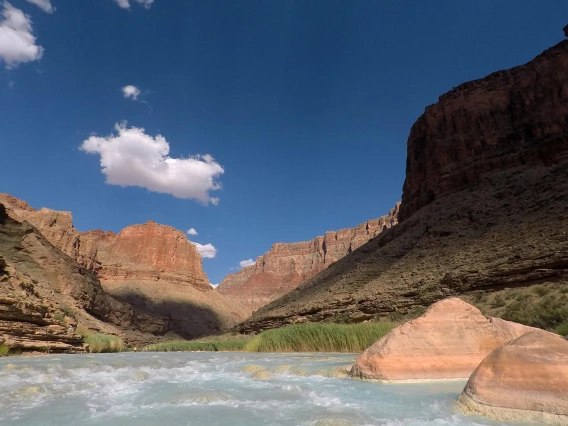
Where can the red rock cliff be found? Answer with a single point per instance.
(153, 267)
(150, 252)
(286, 265)
(510, 118)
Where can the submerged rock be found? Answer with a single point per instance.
(523, 380)
(447, 342)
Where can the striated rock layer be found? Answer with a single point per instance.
(510, 118)
(153, 267)
(484, 206)
(524, 380)
(42, 291)
(286, 265)
(447, 342)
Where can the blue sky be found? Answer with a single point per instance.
(303, 105)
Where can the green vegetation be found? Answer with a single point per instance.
(68, 311)
(83, 331)
(541, 290)
(547, 313)
(498, 301)
(4, 350)
(320, 337)
(99, 343)
(562, 329)
(543, 305)
(311, 337)
(59, 317)
(192, 345)
(413, 313)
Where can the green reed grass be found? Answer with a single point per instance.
(99, 343)
(320, 337)
(191, 345)
(4, 350)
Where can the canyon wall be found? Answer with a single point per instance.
(484, 205)
(43, 291)
(286, 265)
(153, 267)
(511, 118)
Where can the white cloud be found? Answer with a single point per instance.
(11, 84)
(125, 4)
(134, 158)
(214, 285)
(131, 92)
(191, 231)
(245, 263)
(17, 43)
(206, 251)
(44, 5)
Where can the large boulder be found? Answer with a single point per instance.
(447, 342)
(523, 380)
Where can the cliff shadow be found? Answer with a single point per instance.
(189, 320)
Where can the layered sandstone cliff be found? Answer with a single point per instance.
(153, 267)
(484, 206)
(42, 291)
(286, 265)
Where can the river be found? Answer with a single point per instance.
(214, 388)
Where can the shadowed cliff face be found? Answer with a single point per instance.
(484, 206)
(286, 265)
(39, 284)
(155, 261)
(511, 118)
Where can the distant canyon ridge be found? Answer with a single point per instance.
(286, 265)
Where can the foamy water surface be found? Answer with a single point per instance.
(213, 388)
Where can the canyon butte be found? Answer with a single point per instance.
(149, 273)
(484, 205)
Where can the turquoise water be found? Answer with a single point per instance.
(145, 389)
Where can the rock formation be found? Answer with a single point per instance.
(286, 265)
(484, 205)
(40, 286)
(153, 267)
(508, 119)
(447, 342)
(524, 380)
